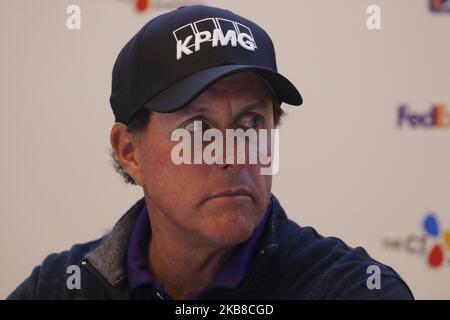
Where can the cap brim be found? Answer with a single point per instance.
(190, 87)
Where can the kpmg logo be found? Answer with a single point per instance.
(216, 32)
(433, 244)
(436, 117)
(440, 5)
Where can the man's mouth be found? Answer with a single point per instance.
(237, 193)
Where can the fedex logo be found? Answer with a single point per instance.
(216, 32)
(437, 117)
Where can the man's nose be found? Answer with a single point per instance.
(235, 151)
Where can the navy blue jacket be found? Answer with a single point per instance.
(291, 262)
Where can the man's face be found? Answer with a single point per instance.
(184, 193)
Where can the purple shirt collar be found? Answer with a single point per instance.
(229, 275)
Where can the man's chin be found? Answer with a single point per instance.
(231, 228)
(230, 240)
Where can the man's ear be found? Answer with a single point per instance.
(126, 148)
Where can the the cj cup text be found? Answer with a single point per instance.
(207, 147)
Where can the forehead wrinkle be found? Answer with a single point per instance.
(190, 109)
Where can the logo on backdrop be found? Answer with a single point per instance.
(433, 244)
(440, 5)
(144, 5)
(437, 116)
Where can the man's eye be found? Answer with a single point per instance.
(197, 126)
(250, 121)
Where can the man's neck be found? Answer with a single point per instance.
(184, 265)
(184, 272)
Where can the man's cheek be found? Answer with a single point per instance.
(160, 155)
(264, 182)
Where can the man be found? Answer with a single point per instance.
(207, 229)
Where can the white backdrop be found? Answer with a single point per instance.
(346, 167)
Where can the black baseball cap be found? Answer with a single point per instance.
(179, 54)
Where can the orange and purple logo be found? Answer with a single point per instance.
(436, 117)
(440, 5)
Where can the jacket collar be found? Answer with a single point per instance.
(109, 258)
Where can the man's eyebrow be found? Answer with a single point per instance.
(197, 108)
